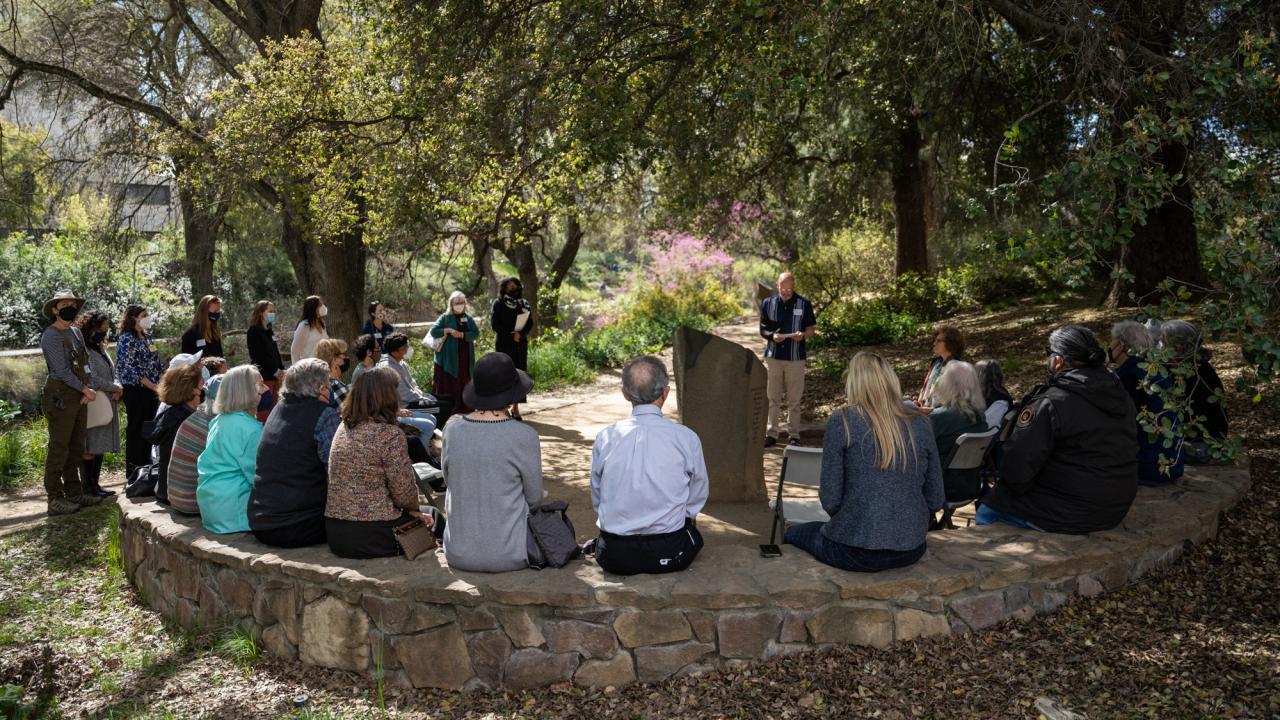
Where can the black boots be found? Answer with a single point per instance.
(92, 476)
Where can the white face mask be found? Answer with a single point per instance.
(324, 310)
(146, 322)
(459, 308)
(408, 355)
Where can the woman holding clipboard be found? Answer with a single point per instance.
(512, 320)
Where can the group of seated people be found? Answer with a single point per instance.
(1071, 453)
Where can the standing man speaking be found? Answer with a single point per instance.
(786, 321)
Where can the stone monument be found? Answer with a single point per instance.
(721, 390)
(764, 291)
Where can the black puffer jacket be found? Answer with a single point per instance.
(161, 432)
(1070, 458)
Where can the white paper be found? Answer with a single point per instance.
(521, 320)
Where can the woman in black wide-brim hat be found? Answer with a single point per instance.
(64, 402)
(493, 467)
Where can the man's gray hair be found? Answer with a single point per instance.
(1182, 337)
(1134, 335)
(305, 378)
(644, 379)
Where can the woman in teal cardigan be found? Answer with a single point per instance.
(455, 333)
(230, 454)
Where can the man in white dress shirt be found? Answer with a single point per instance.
(648, 481)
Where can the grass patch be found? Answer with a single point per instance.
(23, 447)
(237, 645)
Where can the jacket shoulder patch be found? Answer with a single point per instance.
(1027, 415)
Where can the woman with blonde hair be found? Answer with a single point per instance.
(334, 353)
(455, 332)
(958, 408)
(204, 336)
(881, 480)
(229, 460)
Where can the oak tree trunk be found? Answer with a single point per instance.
(910, 201)
(334, 269)
(1165, 246)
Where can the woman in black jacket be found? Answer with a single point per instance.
(265, 353)
(181, 389)
(512, 320)
(1070, 462)
(204, 335)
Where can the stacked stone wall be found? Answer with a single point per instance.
(420, 624)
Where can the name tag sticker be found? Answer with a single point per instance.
(200, 343)
(798, 312)
(87, 371)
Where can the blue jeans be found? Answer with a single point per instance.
(987, 515)
(425, 422)
(808, 537)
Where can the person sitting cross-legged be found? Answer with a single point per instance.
(881, 480)
(290, 484)
(1070, 461)
(396, 353)
(648, 481)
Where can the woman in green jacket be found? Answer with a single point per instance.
(230, 454)
(455, 332)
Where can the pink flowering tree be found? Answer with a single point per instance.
(678, 259)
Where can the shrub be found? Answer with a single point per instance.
(869, 322)
(23, 446)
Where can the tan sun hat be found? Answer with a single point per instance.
(61, 295)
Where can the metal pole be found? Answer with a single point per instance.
(133, 293)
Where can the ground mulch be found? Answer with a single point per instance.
(1199, 638)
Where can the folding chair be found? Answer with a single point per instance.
(427, 475)
(800, 466)
(971, 452)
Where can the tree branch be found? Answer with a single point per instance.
(1024, 20)
(240, 21)
(180, 7)
(129, 103)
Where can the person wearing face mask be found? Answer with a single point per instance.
(456, 333)
(188, 443)
(417, 409)
(264, 352)
(310, 330)
(205, 335)
(376, 324)
(181, 389)
(512, 319)
(67, 393)
(138, 368)
(102, 438)
(1070, 460)
(368, 353)
(334, 354)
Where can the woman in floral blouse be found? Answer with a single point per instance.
(371, 488)
(138, 369)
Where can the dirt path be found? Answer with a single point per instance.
(567, 421)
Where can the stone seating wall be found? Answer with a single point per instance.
(421, 624)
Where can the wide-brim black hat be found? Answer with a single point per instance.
(496, 383)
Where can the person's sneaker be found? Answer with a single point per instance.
(87, 500)
(770, 441)
(62, 506)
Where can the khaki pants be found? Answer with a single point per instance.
(785, 377)
(61, 407)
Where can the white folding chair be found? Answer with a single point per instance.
(970, 453)
(800, 466)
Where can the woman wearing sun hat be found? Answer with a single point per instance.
(493, 467)
(64, 402)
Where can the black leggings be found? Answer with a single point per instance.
(355, 539)
(140, 405)
(300, 534)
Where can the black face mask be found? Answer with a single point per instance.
(97, 338)
(346, 365)
(202, 395)
(68, 313)
(214, 316)
(515, 293)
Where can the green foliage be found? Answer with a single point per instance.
(851, 262)
(237, 644)
(23, 446)
(25, 181)
(866, 322)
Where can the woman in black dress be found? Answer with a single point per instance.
(512, 320)
(265, 353)
(204, 335)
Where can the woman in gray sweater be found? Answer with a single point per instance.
(493, 467)
(881, 481)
